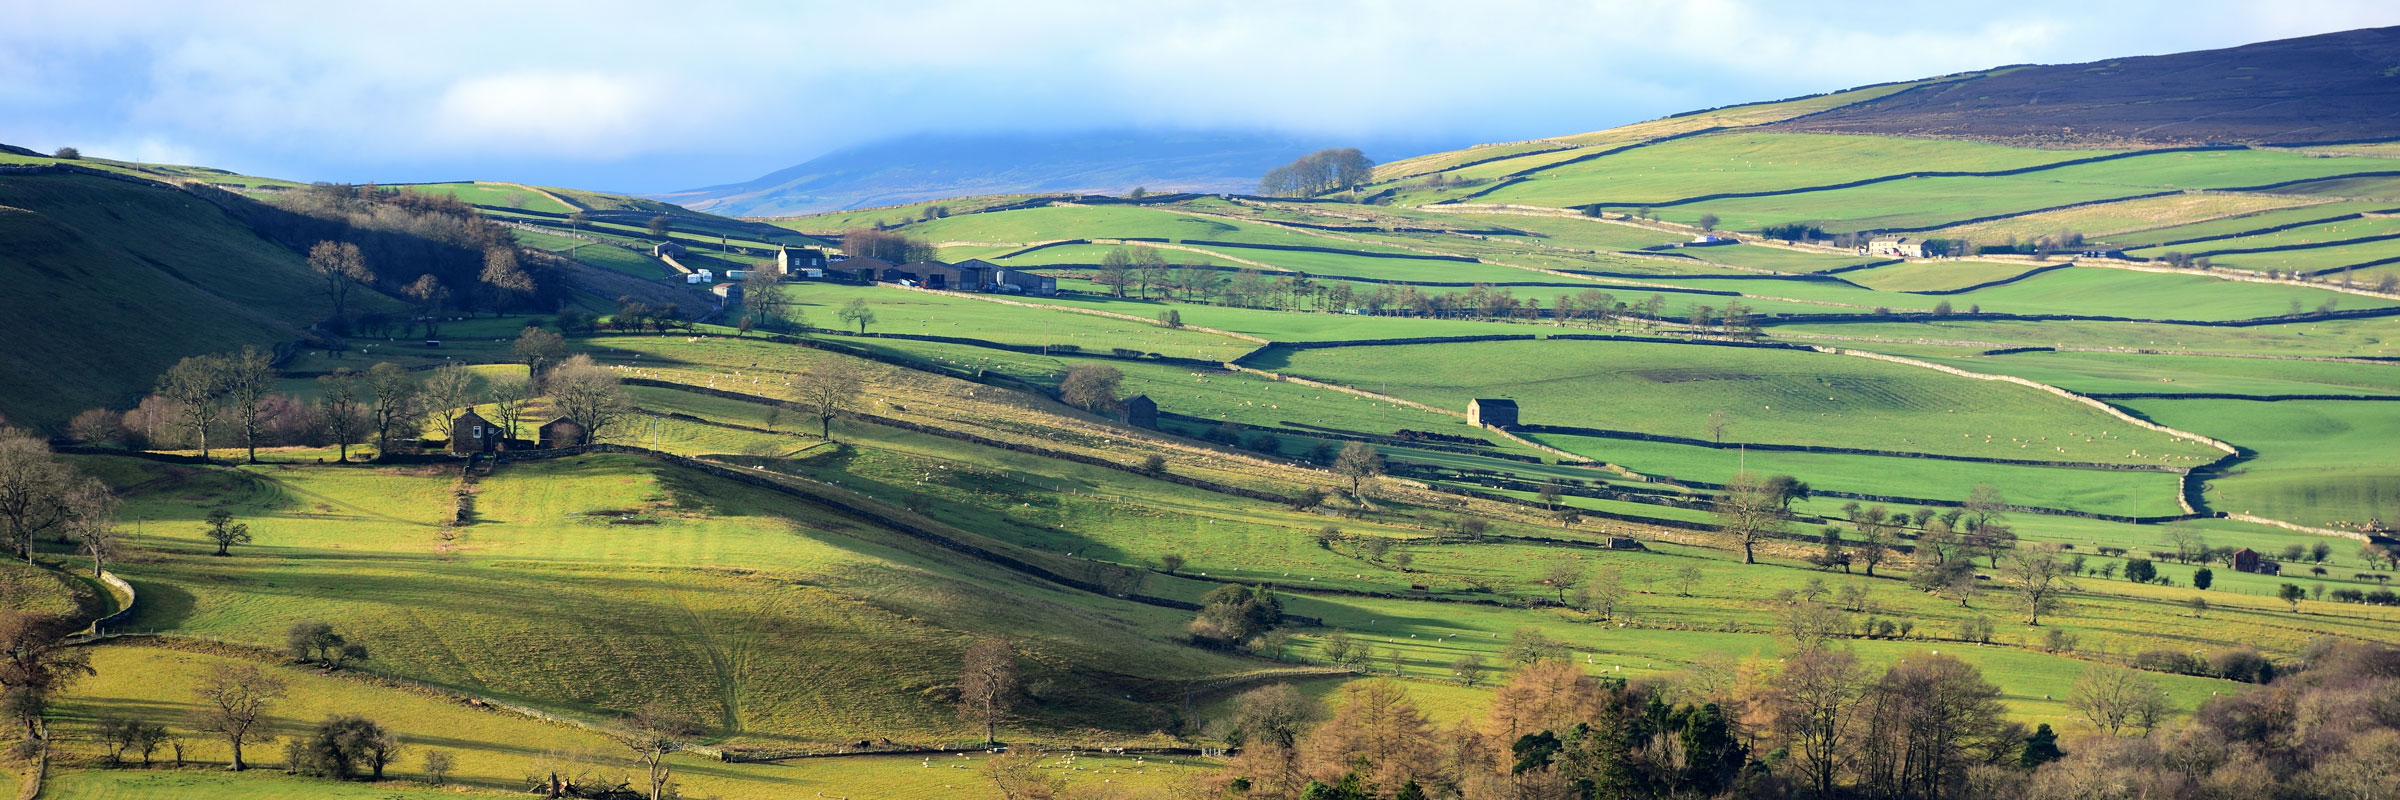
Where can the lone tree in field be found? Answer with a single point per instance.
(1359, 463)
(1708, 222)
(36, 664)
(829, 386)
(987, 685)
(343, 268)
(856, 312)
(1091, 387)
(1717, 423)
(339, 410)
(226, 532)
(233, 703)
(194, 386)
(589, 394)
(2039, 577)
(660, 226)
(655, 730)
(1749, 511)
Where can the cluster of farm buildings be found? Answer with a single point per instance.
(809, 263)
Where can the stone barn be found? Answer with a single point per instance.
(472, 434)
(1492, 412)
(561, 432)
(1138, 411)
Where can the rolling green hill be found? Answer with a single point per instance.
(110, 281)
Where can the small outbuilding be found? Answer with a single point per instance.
(1138, 411)
(793, 260)
(561, 432)
(1492, 412)
(664, 249)
(471, 434)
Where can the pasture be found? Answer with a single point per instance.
(2319, 462)
(1761, 162)
(1774, 396)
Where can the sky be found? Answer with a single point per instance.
(653, 97)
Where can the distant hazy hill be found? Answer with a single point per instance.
(932, 166)
(2332, 87)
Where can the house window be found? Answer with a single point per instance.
(478, 431)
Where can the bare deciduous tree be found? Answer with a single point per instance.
(1358, 462)
(342, 267)
(987, 685)
(829, 386)
(2039, 578)
(393, 407)
(1749, 511)
(194, 385)
(339, 410)
(233, 703)
(589, 394)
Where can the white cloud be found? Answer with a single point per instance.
(561, 114)
(615, 87)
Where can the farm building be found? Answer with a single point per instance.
(1138, 411)
(728, 294)
(561, 432)
(471, 434)
(1017, 281)
(664, 249)
(1492, 412)
(2248, 560)
(1902, 247)
(794, 260)
(866, 268)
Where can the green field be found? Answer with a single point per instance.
(2320, 462)
(916, 312)
(1920, 202)
(502, 195)
(2150, 295)
(1770, 395)
(1934, 276)
(1755, 162)
(2144, 373)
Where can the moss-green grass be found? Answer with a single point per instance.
(2319, 462)
(1769, 395)
(2095, 491)
(1923, 276)
(494, 751)
(778, 620)
(908, 311)
(1753, 162)
(2147, 373)
(493, 194)
(2150, 295)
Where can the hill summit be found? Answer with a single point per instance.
(2332, 87)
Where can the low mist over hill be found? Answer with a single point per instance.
(932, 166)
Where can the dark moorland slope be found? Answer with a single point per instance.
(2332, 87)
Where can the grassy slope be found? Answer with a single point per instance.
(1771, 396)
(112, 282)
(2319, 462)
(1755, 162)
(494, 751)
(783, 622)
